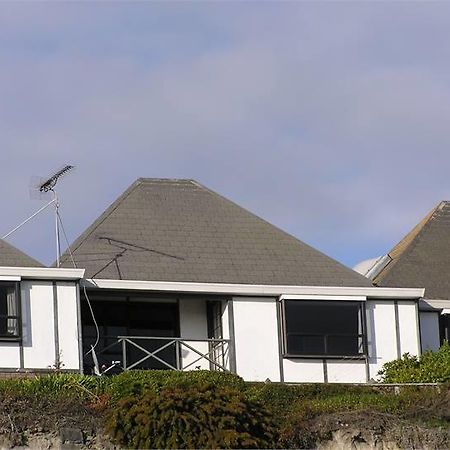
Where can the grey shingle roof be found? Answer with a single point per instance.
(12, 257)
(422, 257)
(178, 230)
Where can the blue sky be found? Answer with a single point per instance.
(330, 120)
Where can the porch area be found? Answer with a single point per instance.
(147, 332)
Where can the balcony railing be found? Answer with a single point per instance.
(142, 352)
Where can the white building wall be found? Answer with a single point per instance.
(256, 338)
(303, 370)
(381, 331)
(38, 324)
(339, 371)
(67, 325)
(193, 325)
(408, 321)
(9, 355)
(429, 330)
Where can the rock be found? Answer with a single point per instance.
(71, 436)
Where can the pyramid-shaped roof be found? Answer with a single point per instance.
(178, 230)
(11, 256)
(422, 257)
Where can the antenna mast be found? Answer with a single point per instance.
(47, 186)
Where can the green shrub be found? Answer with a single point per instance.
(430, 367)
(137, 382)
(198, 416)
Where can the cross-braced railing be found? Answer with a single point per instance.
(173, 353)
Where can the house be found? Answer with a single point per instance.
(422, 259)
(172, 275)
(38, 314)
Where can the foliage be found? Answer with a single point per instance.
(202, 416)
(430, 367)
(58, 385)
(140, 381)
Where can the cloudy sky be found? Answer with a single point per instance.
(330, 120)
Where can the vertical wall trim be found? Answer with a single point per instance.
(365, 340)
(232, 349)
(397, 330)
(418, 330)
(325, 370)
(280, 326)
(55, 325)
(80, 337)
(19, 306)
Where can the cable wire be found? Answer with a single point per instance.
(97, 331)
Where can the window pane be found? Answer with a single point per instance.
(9, 326)
(323, 328)
(344, 345)
(306, 345)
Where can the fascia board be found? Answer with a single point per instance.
(251, 289)
(42, 273)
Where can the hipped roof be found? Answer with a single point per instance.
(178, 230)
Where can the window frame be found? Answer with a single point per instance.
(363, 335)
(18, 317)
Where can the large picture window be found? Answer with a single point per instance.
(9, 311)
(323, 328)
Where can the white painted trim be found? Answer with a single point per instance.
(42, 273)
(437, 304)
(255, 289)
(353, 298)
(9, 278)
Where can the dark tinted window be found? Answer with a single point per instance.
(9, 311)
(323, 328)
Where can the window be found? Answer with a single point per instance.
(323, 328)
(9, 311)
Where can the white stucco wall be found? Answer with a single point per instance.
(38, 324)
(67, 326)
(429, 330)
(193, 325)
(381, 329)
(408, 319)
(256, 337)
(303, 370)
(257, 351)
(38, 345)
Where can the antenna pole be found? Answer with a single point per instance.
(58, 247)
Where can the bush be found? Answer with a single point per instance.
(201, 416)
(431, 367)
(137, 382)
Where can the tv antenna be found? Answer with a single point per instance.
(45, 188)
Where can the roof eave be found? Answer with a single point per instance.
(254, 289)
(42, 273)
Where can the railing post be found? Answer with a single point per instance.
(177, 355)
(124, 354)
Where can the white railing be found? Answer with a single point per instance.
(140, 352)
